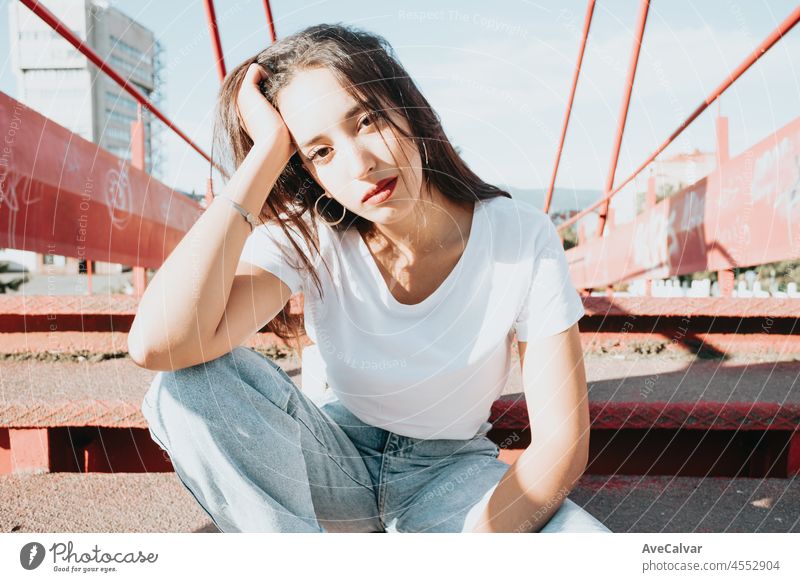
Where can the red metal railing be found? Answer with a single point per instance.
(270, 21)
(745, 212)
(788, 23)
(609, 189)
(50, 194)
(586, 25)
(216, 44)
(63, 195)
(623, 113)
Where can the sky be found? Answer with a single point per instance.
(499, 75)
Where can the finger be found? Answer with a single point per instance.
(251, 78)
(240, 119)
(255, 73)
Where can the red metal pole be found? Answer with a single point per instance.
(137, 161)
(726, 281)
(88, 276)
(50, 19)
(137, 141)
(216, 44)
(644, 7)
(586, 25)
(725, 277)
(759, 51)
(650, 195)
(723, 149)
(270, 22)
(213, 29)
(650, 201)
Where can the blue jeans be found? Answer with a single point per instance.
(260, 456)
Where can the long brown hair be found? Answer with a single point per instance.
(365, 64)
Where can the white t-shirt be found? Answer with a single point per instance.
(430, 370)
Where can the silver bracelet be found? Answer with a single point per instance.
(248, 216)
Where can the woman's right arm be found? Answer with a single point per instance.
(202, 302)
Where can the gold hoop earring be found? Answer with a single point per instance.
(319, 214)
(425, 149)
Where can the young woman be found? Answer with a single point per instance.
(416, 276)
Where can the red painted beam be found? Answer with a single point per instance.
(122, 451)
(63, 195)
(43, 305)
(63, 313)
(5, 451)
(793, 456)
(30, 450)
(744, 213)
(691, 306)
(619, 315)
(513, 415)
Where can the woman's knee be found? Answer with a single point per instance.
(213, 391)
(181, 387)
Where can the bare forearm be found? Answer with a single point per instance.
(533, 489)
(186, 299)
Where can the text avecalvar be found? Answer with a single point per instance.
(671, 549)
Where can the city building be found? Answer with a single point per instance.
(57, 81)
(676, 172)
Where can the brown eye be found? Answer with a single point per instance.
(372, 118)
(316, 154)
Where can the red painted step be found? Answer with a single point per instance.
(82, 416)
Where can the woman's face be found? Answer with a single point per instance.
(343, 147)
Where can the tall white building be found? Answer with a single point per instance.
(680, 170)
(60, 83)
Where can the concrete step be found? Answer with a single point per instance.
(754, 392)
(105, 393)
(752, 404)
(668, 504)
(98, 502)
(625, 391)
(158, 502)
(40, 326)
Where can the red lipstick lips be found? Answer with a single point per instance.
(382, 191)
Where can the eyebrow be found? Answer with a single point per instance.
(350, 113)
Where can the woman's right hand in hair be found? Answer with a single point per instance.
(258, 117)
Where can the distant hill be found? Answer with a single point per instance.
(563, 198)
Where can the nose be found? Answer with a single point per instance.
(361, 160)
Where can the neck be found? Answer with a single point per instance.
(436, 223)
